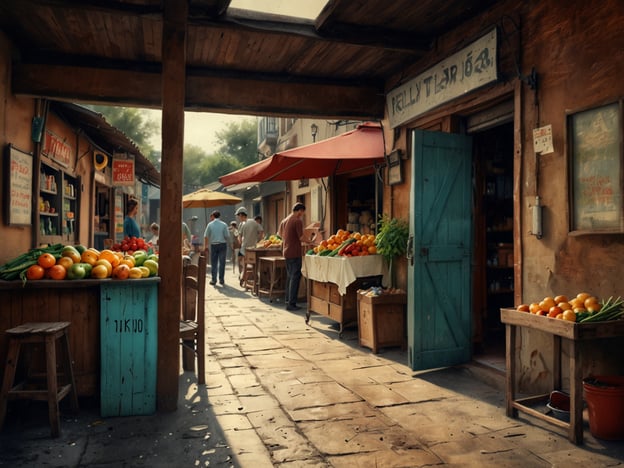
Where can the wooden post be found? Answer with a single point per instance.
(170, 297)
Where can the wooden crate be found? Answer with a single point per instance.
(382, 320)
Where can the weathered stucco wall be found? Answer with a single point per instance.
(577, 50)
(15, 121)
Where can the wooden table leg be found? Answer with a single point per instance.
(576, 395)
(510, 363)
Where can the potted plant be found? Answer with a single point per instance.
(391, 241)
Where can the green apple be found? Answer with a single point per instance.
(76, 271)
(139, 257)
(153, 257)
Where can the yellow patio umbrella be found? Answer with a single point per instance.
(205, 198)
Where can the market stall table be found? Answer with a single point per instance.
(252, 259)
(334, 281)
(571, 332)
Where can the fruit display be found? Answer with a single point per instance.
(582, 308)
(69, 262)
(130, 244)
(272, 242)
(346, 244)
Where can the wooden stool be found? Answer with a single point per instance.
(45, 333)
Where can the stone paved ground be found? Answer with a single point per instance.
(283, 393)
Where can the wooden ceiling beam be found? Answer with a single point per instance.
(245, 94)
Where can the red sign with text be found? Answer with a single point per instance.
(123, 171)
(56, 148)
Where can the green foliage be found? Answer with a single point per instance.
(391, 241)
(135, 124)
(392, 235)
(240, 141)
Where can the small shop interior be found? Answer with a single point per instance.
(493, 274)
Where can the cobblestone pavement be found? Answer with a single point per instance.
(280, 392)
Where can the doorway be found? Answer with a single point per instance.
(493, 273)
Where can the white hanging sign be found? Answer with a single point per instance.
(472, 67)
(542, 140)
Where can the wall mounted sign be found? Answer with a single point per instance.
(470, 68)
(542, 140)
(123, 169)
(18, 182)
(55, 148)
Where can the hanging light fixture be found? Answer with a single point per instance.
(314, 131)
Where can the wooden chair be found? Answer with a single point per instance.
(192, 322)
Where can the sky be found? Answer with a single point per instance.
(200, 128)
(307, 9)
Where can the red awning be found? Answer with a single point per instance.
(357, 149)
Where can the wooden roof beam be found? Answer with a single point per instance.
(214, 92)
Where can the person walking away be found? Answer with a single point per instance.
(131, 227)
(291, 232)
(248, 233)
(217, 236)
(258, 219)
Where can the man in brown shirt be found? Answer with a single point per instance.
(291, 232)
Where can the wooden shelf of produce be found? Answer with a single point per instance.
(571, 332)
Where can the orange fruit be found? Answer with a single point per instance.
(523, 308)
(547, 303)
(46, 260)
(564, 305)
(110, 256)
(561, 298)
(554, 311)
(35, 272)
(56, 272)
(65, 261)
(569, 315)
(593, 308)
(582, 296)
(89, 256)
(534, 307)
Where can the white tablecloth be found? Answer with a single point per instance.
(343, 271)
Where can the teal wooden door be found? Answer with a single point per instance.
(439, 273)
(128, 347)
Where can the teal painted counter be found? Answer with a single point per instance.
(77, 302)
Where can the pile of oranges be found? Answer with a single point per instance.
(364, 243)
(560, 307)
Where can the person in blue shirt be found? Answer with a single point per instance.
(217, 239)
(131, 227)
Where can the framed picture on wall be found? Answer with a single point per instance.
(595, 162)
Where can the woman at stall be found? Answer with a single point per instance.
(131, 227)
